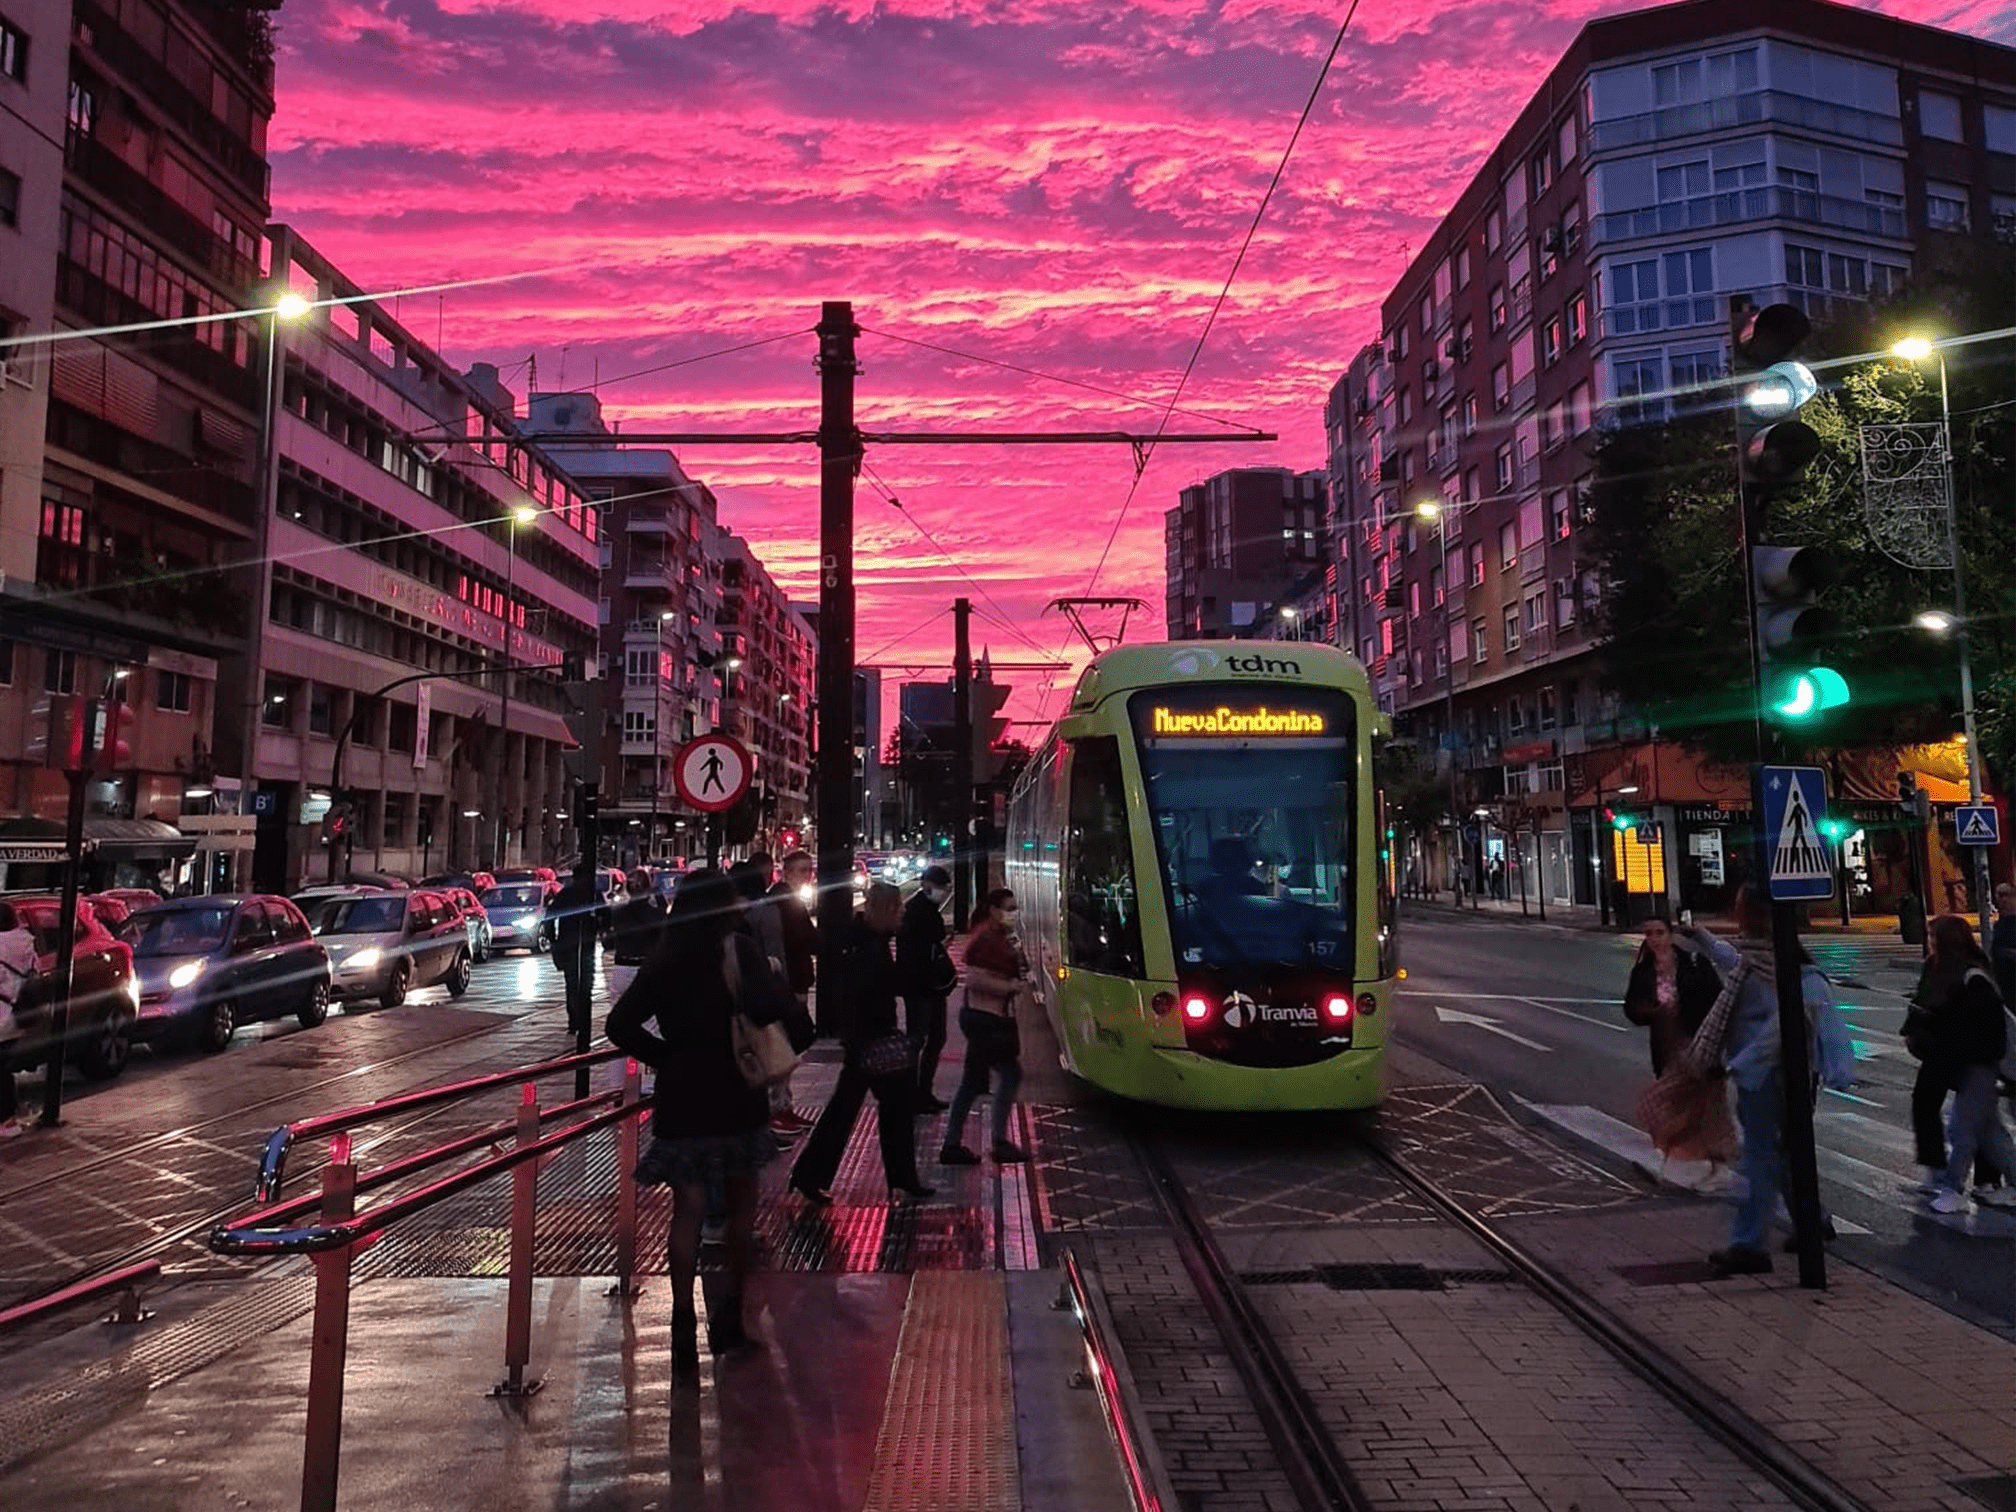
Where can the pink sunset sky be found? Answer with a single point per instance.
(1060, 187)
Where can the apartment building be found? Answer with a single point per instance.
(1235, 548)
(129, 561)
(1674, 159)
(660, 642)
(768, 658)
(419, 546)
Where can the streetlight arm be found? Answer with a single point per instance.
(350, 724)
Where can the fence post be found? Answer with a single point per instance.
(323, 1436)
(626, 1186)
(518, 1300)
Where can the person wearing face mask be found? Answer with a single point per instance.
(996, 975)
(925, 970)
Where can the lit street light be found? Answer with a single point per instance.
(1938, 621)
(1918, 349)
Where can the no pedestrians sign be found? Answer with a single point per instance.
(711, 772)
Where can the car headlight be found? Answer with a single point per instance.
(527, 921)
(133, 991)
(184, 974)
(364, 960)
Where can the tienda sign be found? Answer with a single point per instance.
(1228, 721)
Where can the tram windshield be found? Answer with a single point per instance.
(1249, 794)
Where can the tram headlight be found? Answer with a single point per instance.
(1337, 1009)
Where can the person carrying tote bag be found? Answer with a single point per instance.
(995, 977)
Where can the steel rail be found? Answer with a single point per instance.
(273, 1163)
(1309, 1458)
(126, 1279)
(1680, 1386)
(1148, 1480)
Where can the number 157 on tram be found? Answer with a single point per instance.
(1206, 897)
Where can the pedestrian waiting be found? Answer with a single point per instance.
(1957, 1029)
(17, 963)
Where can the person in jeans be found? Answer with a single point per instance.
(926, 977)
(995, 975)
(1962, 1031)
(1751, 1054)
(17, 962)
(871, 1034)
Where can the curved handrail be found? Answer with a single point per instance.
(123, 1279)
(273, 1162)
(1148, 1479)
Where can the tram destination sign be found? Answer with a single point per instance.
(1225, 720)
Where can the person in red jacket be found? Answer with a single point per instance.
(996, 975)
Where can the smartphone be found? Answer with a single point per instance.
(1686, 918)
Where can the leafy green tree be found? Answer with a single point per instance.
(1664, 528)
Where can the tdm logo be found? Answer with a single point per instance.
(1190, 663)
(1272, 665)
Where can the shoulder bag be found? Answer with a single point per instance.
(763, 1052)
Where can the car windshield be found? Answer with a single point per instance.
(178, 931)
(358, 916)
(524, 896)
(1251, 809)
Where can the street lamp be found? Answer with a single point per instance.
(522, 514)
(1435, 512)
(1292, 616)
(1938, 621)
(1917, 349)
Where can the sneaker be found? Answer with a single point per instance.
(797, 1116)
(1931, 1186)
(1948, 1201)
(957, 1155)
(786, 1125)
(1007, 1153)
(12, 1129)
(1740, 1260)
(1996, 1197)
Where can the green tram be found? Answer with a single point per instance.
(1205, 897)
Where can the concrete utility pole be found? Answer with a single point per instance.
(962, 763)
(839, 461)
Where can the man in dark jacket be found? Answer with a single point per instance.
(801, 935)
(575, 909)
(926, 976)
(2002, 943)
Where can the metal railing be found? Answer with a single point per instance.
(336, 1231)
(125, 1282)
(1148, 1481)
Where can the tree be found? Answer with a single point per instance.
(1664, 530)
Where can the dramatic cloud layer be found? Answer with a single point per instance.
(1060, 188)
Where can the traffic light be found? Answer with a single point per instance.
(1620, 820)
(1773, 449)
(338, 822)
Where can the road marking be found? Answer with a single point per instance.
(1546, 1005)
(1489, 1026)
(1851, 1097)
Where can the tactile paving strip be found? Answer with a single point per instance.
(947, 1442)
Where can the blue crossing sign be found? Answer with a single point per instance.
(1800, 864)
(1977, 824)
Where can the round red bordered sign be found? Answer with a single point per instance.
(712, 772)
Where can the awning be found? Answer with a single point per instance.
(138, 839)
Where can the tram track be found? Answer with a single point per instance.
(1319, 1472)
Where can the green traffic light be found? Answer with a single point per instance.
(1623, 822)
(1834, 829)
(1808, 694)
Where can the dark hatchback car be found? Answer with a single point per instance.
(104, 995)
(209, 964)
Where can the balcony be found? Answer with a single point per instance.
(1744, 110)
(647, 574)
(1765, 202)
(78, 290)
(1664, 315)
(642, 520)
(161, 467)
(152, 208)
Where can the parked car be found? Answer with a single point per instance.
(475, 881)
(385, 944)
(208, 964)
(526, 874)
(132, 897)
(104, 994)
(109, 910)
(519, 919)
(475, 920)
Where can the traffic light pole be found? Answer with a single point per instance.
(962, 764)
(839, 461)
(1759, 339)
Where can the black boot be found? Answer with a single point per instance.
(725, 1333)
(685, 1345)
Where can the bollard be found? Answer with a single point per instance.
(323, 1435)
(518, 1300)
(627, 1284)
(129, 1313)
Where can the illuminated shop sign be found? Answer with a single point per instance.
(1229, 721)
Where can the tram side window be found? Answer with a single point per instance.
(1104, 914)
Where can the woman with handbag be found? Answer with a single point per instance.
(995, 973)
(709, 1124)
(880, 1059)
(1960, 1033)
(1670, 992)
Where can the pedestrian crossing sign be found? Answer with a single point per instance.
(1800, 864)
(1977, 824)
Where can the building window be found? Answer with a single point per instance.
(6, 664)
(1558, 514)
(1469, 415)
(1543, 172)
(1436, 590)
(1501, 386)
(1508, 546)
(13, 52)
(1581, 408)
(1576, 318)
(639, 724)
(1497, 307)
(1515, 715)
(1480, 637)
(10, 198)
(1999, 127)
(321, 709)
(640, 667)
(1511, 621)
(59, 672)
(1547, 253)
(60, 560)
(1564, 142)
(277, 712)
(1461, 265)
(1550, 713)
(171, 692)
(83, 115)
(1805, 267)
(1476, 564)
(1696, 370)
(402, 727)
(1550, 342)
(1569, 715)
(1414, 598)
(1945, 206)
(1637, 388)
(1939, 116)
(1504, 459)
(1536, 613)
(1571, 230)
